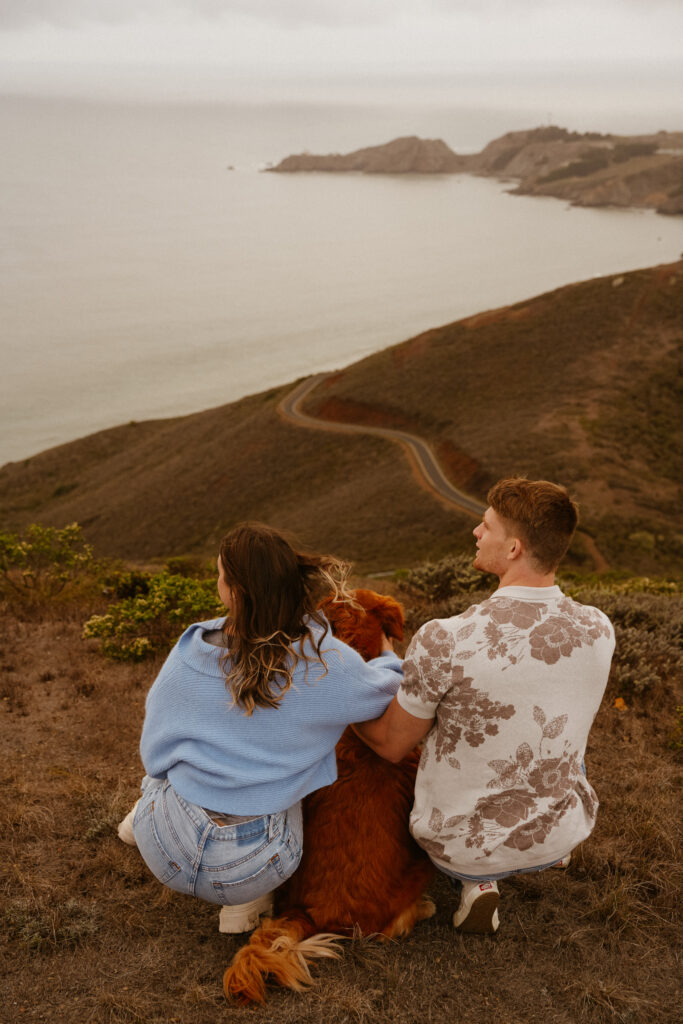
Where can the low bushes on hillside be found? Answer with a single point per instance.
(649, 633)
(151, 620)
(43, 562)
(437, 581)
(150, 610)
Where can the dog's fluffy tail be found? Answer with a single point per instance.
(280, 950)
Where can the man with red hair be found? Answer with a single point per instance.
(505, 694)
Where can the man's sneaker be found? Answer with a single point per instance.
(563, 862)
(125, 829)
(242, 917)
(478, 910)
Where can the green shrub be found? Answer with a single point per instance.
(126, 583)
(617, 583)
(44, 561)
(138, 626)
(438, 581)
(649, 634)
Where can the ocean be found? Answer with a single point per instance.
(150, 269)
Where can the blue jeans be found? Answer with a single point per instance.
(225, 864)
(456, 880)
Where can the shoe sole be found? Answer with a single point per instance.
(480, 920)
(235, 920)
(125, 828)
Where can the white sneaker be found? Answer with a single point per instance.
(242, 917)
(125, 829)
(478, 910)
(563, 862)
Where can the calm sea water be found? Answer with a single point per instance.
(143, 278)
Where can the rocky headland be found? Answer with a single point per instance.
(408, 155)
(586, 169)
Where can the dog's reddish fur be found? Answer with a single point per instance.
(360, 869)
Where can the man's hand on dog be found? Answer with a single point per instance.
(387, 643)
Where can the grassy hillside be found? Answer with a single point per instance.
(151, 490)
(581, 385)
(90, 936)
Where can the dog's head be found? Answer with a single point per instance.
(362, 628)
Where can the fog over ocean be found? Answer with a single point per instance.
(142, 278)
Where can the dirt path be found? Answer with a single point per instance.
(421, 455)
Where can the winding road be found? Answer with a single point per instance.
(419, 452)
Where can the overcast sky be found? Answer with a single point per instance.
(204, 48)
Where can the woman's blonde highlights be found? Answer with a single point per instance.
(276, 591)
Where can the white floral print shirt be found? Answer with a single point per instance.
(514, 684)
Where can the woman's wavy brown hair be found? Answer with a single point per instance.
(276, 593)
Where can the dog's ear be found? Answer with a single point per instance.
(390, 615)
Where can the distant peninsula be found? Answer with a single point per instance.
(586, 169)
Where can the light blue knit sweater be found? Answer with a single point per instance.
(216, 756)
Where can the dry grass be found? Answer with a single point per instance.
(89, 937)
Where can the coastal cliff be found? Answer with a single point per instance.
(588, 169)
(408, 155)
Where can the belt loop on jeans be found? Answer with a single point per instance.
(273, 830)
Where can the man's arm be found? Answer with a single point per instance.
(394, 734)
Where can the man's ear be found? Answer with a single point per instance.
(516, 549)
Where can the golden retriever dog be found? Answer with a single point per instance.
(361, 870)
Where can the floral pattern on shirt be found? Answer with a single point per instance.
(428, 662)
(515, 626)
(512, 813)
(466, 714)
(521, 614)
(477, 672)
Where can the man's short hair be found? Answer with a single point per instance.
(542, 513)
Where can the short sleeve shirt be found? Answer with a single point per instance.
(513, 684)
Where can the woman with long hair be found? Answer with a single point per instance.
(241, 723)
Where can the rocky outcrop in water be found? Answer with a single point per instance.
(586, 169)
(409, 155)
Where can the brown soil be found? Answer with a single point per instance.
(89, 937)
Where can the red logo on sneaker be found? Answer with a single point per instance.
(485, 885)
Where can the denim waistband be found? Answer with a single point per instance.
(200, 818)
(229, 819)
